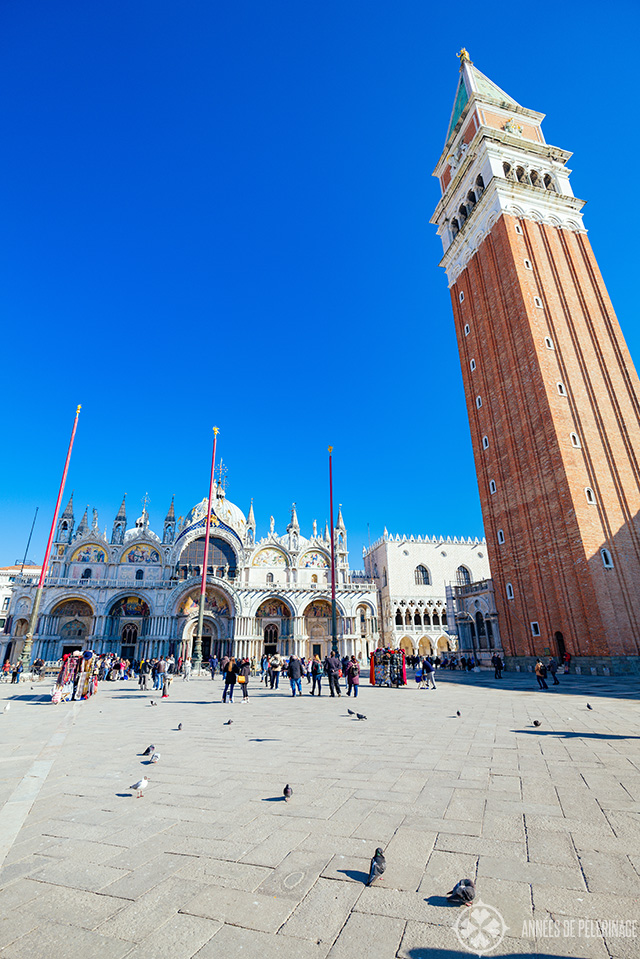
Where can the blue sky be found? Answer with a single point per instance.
(219, 214)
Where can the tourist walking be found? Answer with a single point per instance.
(17, 672)
(353, 677)
(213, 666)
(295, 675)
(275, 668)
(498, 666)
(316, 675)
(230, 673)
(161, 672)
(143, 674)
(541, 674)
(244, 671)
(332, 667)
(567, 662)
(186, 670)
(552, 667)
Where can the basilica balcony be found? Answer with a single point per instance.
(51, 581)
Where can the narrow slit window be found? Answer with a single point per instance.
(461, 297)
(472, 364)
(467, 329)
(527, 265)
(607, 559)
(561, 389)
(535, 629)
(501, 536)
(538, 302)
(518, 229)
(548, 342)
(478, 401)
(485, 442)
(575, 440)
(492, 487)
(591, 496)
(509, 591)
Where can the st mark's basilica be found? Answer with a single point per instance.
(137, 593)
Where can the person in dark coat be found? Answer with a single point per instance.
(244, 669)
(353, 677)
(145, 669)
(332, 667)
(230, 674)
(317, 671)
(295, 672)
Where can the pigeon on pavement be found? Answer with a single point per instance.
(179, 726)
(7, 708)
(457, 712)
(287, 792)
(153, 703)
(228, 722)
(464, 891)
(377, 867)
(361, 716)
(536, 722)
(155, 758)
(140, 785)
(351, 712)
(149, 750)
(589, 706)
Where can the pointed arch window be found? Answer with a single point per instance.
(139, 574)
(399, 620)
(421, 576)
(463, 576)
(479, 186)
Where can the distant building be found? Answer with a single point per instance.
(137, 593)
(471, 608)
(10, 576)
(412, 575)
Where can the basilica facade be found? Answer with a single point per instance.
(136, 593)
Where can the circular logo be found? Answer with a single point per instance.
(480, 929)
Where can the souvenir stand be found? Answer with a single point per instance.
(78, 677)
(388, 668)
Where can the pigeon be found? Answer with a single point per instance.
(464, 891)
(149, 750)
(361, 716)
(458, 712)
(589, 706)
(179, 726)
(287, 792)
(153, 703)
(228, 722)
(140, 785)
(8, 707)
(351, 712)
(536, 722)
(155, 758)
(377, 867)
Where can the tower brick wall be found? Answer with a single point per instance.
(552, 394)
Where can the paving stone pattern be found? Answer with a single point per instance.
(213, 863)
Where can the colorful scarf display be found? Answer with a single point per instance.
(387, 667)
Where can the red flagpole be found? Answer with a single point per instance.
(28, 640)
(197, 652)
(334, 629)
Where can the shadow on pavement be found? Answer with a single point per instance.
(356, 875)
(566, 734)
(615, 687)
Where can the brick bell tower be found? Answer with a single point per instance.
(552, 394)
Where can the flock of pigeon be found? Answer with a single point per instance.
(464, 891)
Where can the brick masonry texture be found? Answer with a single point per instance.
(553, 535)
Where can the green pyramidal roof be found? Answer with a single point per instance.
(472, 81)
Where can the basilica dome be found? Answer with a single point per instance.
(223, 510)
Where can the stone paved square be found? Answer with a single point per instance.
(213, 862)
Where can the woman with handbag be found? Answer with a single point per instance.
(230, 673)
(244, 671)
(353, 677)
